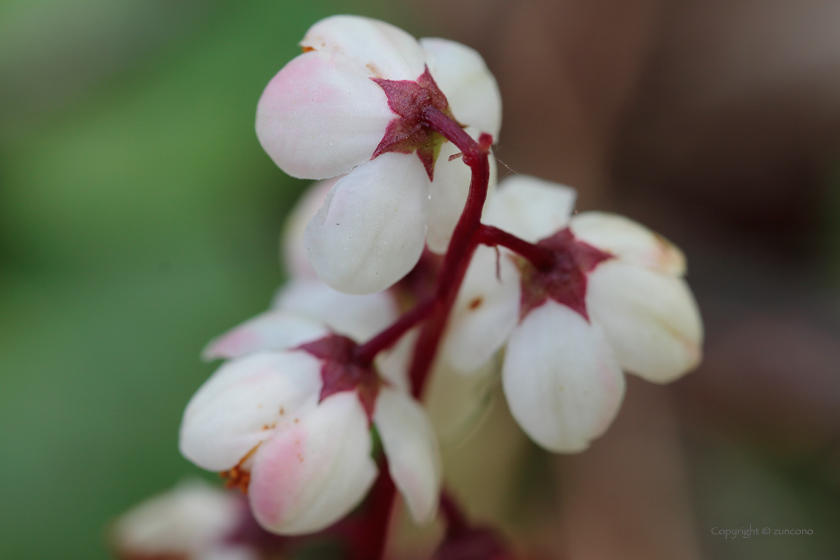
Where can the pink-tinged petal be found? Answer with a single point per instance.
(485, 312)
(651, 320)
(468, 85)
(458, 404)
(530, 208)
(315, 471)
(189, 520)
(629, 241)
(411, 447)
(319, 116)
(272, 330)
(378, 49)
(358, 317)
(292, 250)
(370, 231)
(562, 382)
(448, 193)
(244, 403)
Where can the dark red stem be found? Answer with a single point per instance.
(380, 502)
(541, 257)
(366, 353)
(436, 310)
(461, 245)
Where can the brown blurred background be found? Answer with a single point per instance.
(139, 217)
(716, 123)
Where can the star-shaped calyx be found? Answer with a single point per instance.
(407, 133)
(564, 278)
(340, 371)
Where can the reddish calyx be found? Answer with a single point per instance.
(407, 133)
(564, 277)
(342, 371)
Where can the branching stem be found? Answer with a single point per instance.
(541, 257)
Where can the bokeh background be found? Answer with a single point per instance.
(139, 218)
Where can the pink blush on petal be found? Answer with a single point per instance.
(278, 477)
(234, 344)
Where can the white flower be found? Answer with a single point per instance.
(343, 107)
(303, 310)
(289, 416)
(615, 300)
(192, 521)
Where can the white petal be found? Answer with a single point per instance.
(190, 518)
(272, 330)
(293, 253)
(448, 194)
(370, 231)
(393, 363)
(485, 312)
(376, 47)
(244, 403)
(561, 380)
(359, 317)
(412, 451)
(530, 208)
(457, 404)
(315, 471)
(629, 241)
(651, 320)
(319, 116)
(468, 85)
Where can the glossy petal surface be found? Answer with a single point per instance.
(272, 330)
(411, 447)
(244, 403)
(651, 320)
(358, 317)
(562, 383)
(629, 241)
(319, 116)
(530, 208)
(370, 231)
(486, 311)
(315, 471)
(376, 48)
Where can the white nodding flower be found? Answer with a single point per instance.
(306, 460)
(276, 419)
(617, 302)
(340, 109)
(192, 521)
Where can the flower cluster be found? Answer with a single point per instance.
(351, 104)
(604, 295)
(407, 275)
(288, 418)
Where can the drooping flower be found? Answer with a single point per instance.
(289, 416)
(609, 296)
(352, 104)
(193, 521)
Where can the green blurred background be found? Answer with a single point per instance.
(139, 218)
